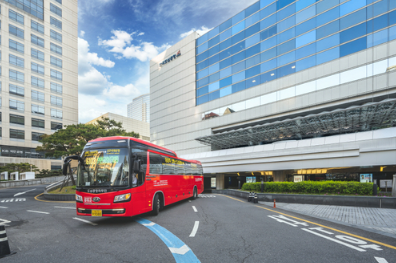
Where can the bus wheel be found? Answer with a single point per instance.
(195, 194)
(156, 205)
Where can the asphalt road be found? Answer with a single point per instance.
(229, 230)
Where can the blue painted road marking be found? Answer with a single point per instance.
(180, 251)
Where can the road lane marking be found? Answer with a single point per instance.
(205, 196)
(334, 240)
(64, 202)
(24, 192)
(65, 207)
(85, 221)
(380, 260)
(195, 210)
(180, 251)
(33, 211)
(3, 207)
(310, 222)
(149, 224)
(195, 229)
(4, 221)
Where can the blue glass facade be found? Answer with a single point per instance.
(272, 39)
(34, 7)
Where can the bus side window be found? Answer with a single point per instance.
(200, 169)
(156, 161)
(142, 155)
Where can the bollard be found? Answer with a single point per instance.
(4, 246)
(255, 199)
(274, 203)
(375, 189)
(250, 196)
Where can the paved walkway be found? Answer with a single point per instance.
(378, 220)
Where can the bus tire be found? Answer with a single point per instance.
(195, 194)
(156, 205)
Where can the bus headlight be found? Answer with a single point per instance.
(79, 198)
(122, 198)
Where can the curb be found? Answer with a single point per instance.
(60, 197)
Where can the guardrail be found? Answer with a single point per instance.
(344, 200)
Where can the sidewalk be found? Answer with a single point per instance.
(377, 220)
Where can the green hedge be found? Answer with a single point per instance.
(313, 187)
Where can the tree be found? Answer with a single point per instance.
(72, 139)
(18, 167)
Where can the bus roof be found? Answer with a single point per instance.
(133, 139)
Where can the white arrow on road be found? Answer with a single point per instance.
(380, 260)
(181, 251)
(24, 192)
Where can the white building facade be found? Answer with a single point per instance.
(139, 108)
(284, 90)
(39, 76)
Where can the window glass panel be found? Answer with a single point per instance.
(225, 72)
(268, 32)
(252, 40)
(392, 18)
(238, 77)
(238, 47)
(269, 43)
(56, 74)
(37, 109)
(252, 9)
(203, 99)
(252, 30)
(324, 5)
(202, 73)
(56, 10)
(287, 58)
(305, 14)
(271, 53)
(225, 25)
(238, 87)
(253, 61)
(392, 33)
(213, 50)
(392, 4)
(377, 38)
(353, 32)
(306, 26)
(269, 21)
(214, 95)
(56, 125)
(56, 87)
(213, 42)
(56, 101)
(377, 23)
(238, 57)
(56, 36)
(269, 10)
(264, 3)
(353, 19)
(253, 81)
(202, 39)
(269, 76)
(288, 11)
(37, 68)
(328, 42)
(37, 27)
(37, 54)
(202, 48)
(253, 50)
(225, 91)
(17, 134)
(38, 123)
(203, 82)
(328, 29)
(225, 82)
(268, 65)
(16, 75)
(239, 27)
(17, 90)
(328, 55)
(225, 63)
(306, 38)
(306, 63)
(288, 34)
(328, 16)
(37, 82)
(285, 24)
(301, 4)
(16, 119)
(37, 95)
(238, 37)
(238, 67)
(253, 71)
(351, 6)
(286, 47)
(214, 77)
(225, 44)
(57, 49)
(56, 22)
(16, 16)
(202, 56)
(213, 32)
(202, 91)
(238, 17)
(226, 34)
(16, 31)
(252, 19)
(214, 68)
(37, 40)
(306, 51)
(17, 61)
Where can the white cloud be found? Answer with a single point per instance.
(120, 43)
(82, 33)
(141, 34)
(119, 92)
(200, 32)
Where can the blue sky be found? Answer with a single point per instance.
(117, 39)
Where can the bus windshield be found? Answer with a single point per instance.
(104, 167)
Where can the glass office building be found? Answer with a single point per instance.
(272, 39)
(283, 90)
(139, 108)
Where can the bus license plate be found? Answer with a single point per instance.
(96, 213)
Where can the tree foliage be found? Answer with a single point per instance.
(18, 167)
(72, 139)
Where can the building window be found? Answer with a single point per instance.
(1, 132)
(16, 16)
(34, 7)
(37, 82)
(57, 49)
(17, 90)
(37, 109)
(56, 113)
(37, 95)
(36, 136)
(37, 68)
(37, 54)
(17, 46)
(17, 119)
(56, 101)
(17, 134)
(16, 31)
(17, 105)
(38, 27)
(56, 61)
(56, 23)
(56, 10)
(37, 40)
(17, 61)
(56, 36)
(16, 75)
(56, 125)
(56, 74)
(38, 123)
(56, 87)
(59, 1)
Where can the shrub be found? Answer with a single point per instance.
(312, 187)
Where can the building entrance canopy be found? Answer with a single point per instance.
(370, 116)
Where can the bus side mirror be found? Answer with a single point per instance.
(136, 166)
(65, 165)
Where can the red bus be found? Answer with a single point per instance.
(125, 176)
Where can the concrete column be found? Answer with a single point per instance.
(394, 186)
(219, 181)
